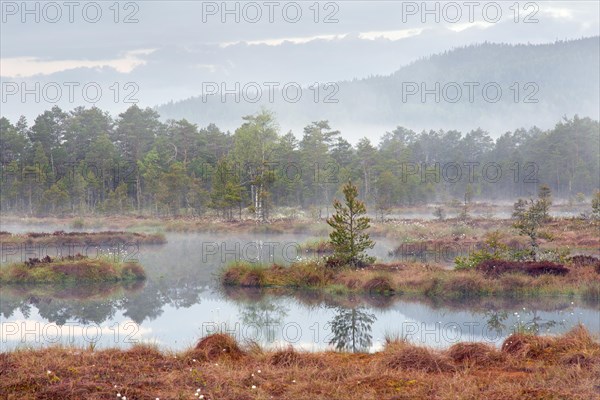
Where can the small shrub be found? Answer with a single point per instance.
(492, 249)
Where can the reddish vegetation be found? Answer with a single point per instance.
(565, 349)
(81, 270)
(527, 367)
(584, 261)
(475, 353)
(217, 346)
(522, 279)
(291, 358)
(88, 238)
(533, 268)
(334, 263)
(416, 358)
(379, 284)
(252, 279)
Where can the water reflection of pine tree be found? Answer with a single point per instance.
(351, 329)
(266, 315)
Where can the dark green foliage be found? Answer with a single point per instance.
(493, 249)
(529, 220)
(349, 238)
(351, 330)
(85, 161)
(545, 200)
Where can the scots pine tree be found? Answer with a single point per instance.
(349, 222)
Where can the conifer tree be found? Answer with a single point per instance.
(349, 223)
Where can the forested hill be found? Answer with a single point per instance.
(538, 83)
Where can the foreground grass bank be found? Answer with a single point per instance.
(525, 368)
(71, 269)
(413, 279)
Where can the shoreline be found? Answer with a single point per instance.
(395, 279)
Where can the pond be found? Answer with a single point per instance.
(181, 301)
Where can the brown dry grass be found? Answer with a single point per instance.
(83, 238)
(479, 354)
(565, 367)
(414, 279)
(217, 346)
(77, 269)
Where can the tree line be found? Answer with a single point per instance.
(85, 161)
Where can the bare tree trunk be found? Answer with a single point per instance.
(138, 191)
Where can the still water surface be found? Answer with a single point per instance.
(181, 301)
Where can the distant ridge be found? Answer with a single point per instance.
(539, 83)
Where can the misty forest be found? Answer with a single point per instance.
(85, 161)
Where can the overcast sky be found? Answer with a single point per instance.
(168, 49)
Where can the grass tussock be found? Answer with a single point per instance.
(69, 270)
(576, 344)
(473, 353)
(415, 279)
(299, 275)
(217, 346)
(291, 358)
(563, 367)
(410, 357)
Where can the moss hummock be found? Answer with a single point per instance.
(71, 269)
